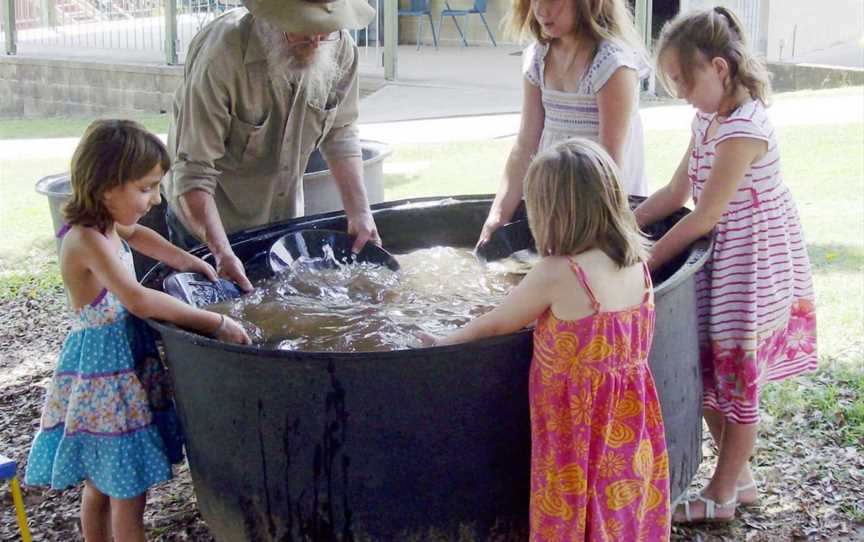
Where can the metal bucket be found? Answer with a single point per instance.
(392, 445)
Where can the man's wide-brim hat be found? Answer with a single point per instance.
(312, 16)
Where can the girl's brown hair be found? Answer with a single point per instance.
(575, 203)
(595, 19)
(110, 153)
(714, 33)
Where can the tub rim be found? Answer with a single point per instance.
(384, 150)
(695, 260)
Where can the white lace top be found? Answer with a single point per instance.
(576, 114)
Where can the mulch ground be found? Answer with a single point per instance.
(812, 486)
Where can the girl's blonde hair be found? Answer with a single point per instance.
(714, 33)
(575, 203)
(595, 19)
(110, 153)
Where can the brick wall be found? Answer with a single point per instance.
(42, 87)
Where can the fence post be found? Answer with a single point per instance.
(643, 25)
(9, 20)
(391, 37)
(171, 32)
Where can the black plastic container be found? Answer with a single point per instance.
(391, 445)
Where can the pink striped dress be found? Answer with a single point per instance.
(757, 321)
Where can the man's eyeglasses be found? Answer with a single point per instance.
(316, 39)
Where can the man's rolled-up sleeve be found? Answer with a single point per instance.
(343, 139)
(202, 128)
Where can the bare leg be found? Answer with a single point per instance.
(127, 518)
(736, 446)
(716, 423)
(95, 514)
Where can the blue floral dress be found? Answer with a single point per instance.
(108, 415)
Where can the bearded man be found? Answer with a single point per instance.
(264, 87)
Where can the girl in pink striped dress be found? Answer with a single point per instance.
(599, 465)
(755, 296)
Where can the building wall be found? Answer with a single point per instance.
(777, 27)
(812, 26)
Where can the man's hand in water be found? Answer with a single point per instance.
(362, 225)
(230, 267)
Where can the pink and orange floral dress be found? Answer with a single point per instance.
(599, 466)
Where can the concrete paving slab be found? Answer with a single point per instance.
(446, 82)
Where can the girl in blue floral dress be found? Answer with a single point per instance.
(108, 419)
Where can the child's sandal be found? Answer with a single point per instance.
(711, 507)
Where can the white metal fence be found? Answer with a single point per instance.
(128, 30)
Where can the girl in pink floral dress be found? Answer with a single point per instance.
(599, 467)
(755, 296)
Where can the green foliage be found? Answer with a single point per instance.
(28, 282)
(831, 401)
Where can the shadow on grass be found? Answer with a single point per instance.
(396, 180)
(832, 257)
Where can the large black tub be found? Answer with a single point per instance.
(417, 444)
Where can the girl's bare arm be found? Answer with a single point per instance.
(148, 242)
(731, 162)
(521, 307)
(617, 103)
(144, 302)
(509, 192)
(671, 197)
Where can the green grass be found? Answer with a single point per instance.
(55, 127)
(833, 403)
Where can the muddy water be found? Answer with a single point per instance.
(364, 308)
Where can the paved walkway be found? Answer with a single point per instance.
(841, 106)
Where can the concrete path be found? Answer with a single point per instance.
(839, 106)
(445, 82)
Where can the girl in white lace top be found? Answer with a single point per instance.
(581, 79)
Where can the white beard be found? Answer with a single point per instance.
(316, 73)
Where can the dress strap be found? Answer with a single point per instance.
(583, 280)
(648, 284)
(64, 229)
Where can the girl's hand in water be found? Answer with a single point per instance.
(231, 331)
(426, 339)
(197, 265)
(493, 222)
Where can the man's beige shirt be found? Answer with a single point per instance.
(240, 139)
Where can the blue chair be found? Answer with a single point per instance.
(420, 9)
(479, 8)
(8, 471)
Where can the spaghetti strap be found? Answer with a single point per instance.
(583, 280)
(648, 284)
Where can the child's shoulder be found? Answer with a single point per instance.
(533, 57)
(749, 120)
(82, 240)
(612, 55)
(552, 264)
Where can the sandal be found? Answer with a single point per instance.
(711, 507)
(747, 487)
